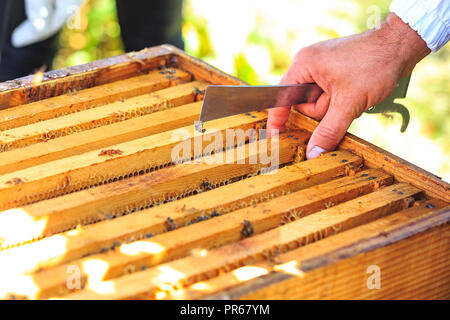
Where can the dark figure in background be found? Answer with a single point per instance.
(142, 23)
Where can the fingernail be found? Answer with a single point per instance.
(314, 152)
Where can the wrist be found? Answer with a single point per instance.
(409, 47)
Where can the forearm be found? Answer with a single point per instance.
(407, 45)
(430, 18)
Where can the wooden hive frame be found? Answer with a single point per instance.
(93, 207)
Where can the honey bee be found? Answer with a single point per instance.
(247, 230)
(170, 224)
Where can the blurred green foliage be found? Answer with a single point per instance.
(96, 37)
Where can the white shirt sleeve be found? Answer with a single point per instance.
(430, 18)
(44, 19)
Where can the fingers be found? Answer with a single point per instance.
(330, 131)
(277, 119)
(297, 73)
(279, 116)
(316, 110)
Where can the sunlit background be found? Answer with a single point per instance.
(255, 40)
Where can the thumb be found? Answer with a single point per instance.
(330, 131)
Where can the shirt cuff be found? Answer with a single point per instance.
(430, 18)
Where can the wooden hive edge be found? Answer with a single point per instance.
(57, 82)
(200, 69)
(428, 225)
(375, 157)
(76, 101)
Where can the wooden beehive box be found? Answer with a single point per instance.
(92, 206)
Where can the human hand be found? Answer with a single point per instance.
(355, 73)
